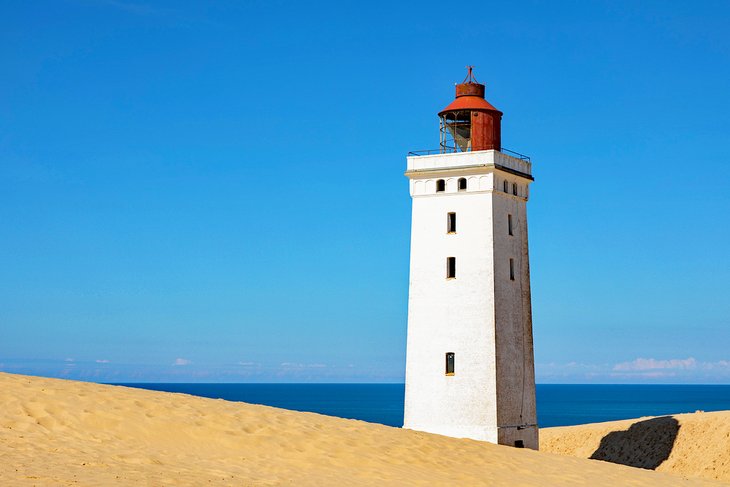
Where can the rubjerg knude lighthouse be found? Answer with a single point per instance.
(469, 362)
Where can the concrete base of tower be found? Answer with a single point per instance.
(478, 433)
(519, 436)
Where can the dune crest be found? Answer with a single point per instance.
(693, 445)
(58, 432)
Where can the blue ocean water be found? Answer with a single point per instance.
(557, 405)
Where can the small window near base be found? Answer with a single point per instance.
(450, 267)
(519, 444)
(450, 363)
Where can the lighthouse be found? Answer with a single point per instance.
(469, 360)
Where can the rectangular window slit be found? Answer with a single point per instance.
(509, 224)
(512, 269)
(451, 223)
(450, 267)
(449, 363)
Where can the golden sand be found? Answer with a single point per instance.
(57, 432)
(696, 445)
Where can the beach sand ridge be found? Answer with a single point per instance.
(59, 432)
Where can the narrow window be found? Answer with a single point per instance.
(505, 185)
(449, 363)
(440, 186)
(519, 444)
(512, 269)
(509, 224)
(462, 184)
(451, 223)
(514, 189)
(450, 267)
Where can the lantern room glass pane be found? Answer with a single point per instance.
(456, 128)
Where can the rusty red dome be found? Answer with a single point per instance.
(470, 122)
(470, 96)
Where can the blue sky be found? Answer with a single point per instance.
(200, 191)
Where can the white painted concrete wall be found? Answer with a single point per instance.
(482, 316)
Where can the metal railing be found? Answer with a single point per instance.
(427, 152)
(449, 150)
(517, 155)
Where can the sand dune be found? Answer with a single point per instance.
(56, 432)
(696, 445)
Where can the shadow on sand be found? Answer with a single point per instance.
(645, 444)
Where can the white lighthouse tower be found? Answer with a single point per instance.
(469, 364)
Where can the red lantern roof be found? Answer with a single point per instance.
(470, 96)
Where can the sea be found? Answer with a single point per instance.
(557, 404)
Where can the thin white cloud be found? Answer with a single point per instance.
(248, 364)
(102, 361)
(684, 370)
(719, 365)
(645, 364)
(293, 365)
(681, 369)
(182, 361)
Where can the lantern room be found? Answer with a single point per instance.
(470, 122)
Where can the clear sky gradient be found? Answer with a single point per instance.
(214, 191)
